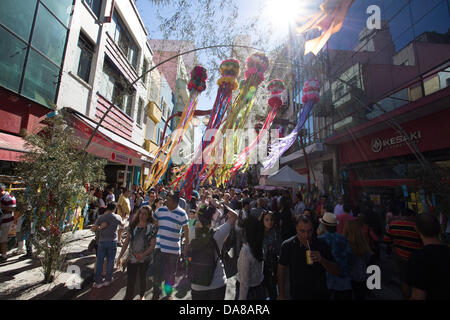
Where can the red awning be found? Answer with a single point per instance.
(11, 147)
(105, 144)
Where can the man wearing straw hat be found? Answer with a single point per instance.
(340, 286)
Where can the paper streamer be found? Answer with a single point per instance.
(310, 98)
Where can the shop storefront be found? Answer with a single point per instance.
(382, 167)
(126, 160)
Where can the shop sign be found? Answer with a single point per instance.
(117, 157)
(379, 144)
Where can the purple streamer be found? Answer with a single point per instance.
(277, 149)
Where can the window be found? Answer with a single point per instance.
(49, 36)
(113, 87)
(139, 112)
(164, 109)
(12, 57)
(86, 52)
(124, 40)
(144, 69)
(61, 9)
(41, 79)
(18, 16)
(160, 136)
(95, 5)
(150, 132)
(145, 114)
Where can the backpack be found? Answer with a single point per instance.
(201, 257)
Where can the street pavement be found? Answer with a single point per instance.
(21, 279)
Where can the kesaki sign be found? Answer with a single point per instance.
(379, 144)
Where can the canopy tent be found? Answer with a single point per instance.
(286, 177)
(269, 188)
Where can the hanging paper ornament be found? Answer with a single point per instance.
(235, 121)
(196, 85)
(198, 79)
(310, 98)
(276, 87)
(229, 70)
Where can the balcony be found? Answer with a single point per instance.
(351, 97)
(154, 112)
(150, 146)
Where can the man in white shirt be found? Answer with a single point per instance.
(339, 208)
(172, 220)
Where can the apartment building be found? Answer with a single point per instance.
(83, 57)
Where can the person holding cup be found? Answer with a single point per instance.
(307, 259)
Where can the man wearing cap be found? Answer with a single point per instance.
(340, 286)
(8, 204)
(172, 220)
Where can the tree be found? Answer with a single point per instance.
(205, 23)
(57, 176)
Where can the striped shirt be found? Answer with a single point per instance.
(170, 224)
(402, 233)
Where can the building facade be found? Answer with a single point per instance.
(83, 57)
(177, 73)
(384, 101)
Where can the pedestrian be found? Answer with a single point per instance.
(314, 219)
(307, 274)
(321, 206)
(299, 205)
(192, 224)
(142, 240)
(339, 208)
(124, 210)
(8, 204)
(107, 245)
(340, 286)
(343, 217)
(250, 275)
(362, 256)
(151, 197)
(206, 268)
(110, 197)
(428, 268)
(370, 236)
(403, 236)
(445, 228)
(271, 250)
(172, 220)
(256, 212)
(158, 203)
(287, 225)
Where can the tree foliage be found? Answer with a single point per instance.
(56, 173)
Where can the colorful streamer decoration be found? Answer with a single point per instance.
(310, 97)
(329, 20)
(229, 71)
(256, 65)
(197, 84)
(276, 87)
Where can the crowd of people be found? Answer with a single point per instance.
(274, 245)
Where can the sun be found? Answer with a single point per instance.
(281, 13)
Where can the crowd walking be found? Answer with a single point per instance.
(276, 248)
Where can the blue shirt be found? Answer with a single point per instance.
(170, 224)
(341, 252)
